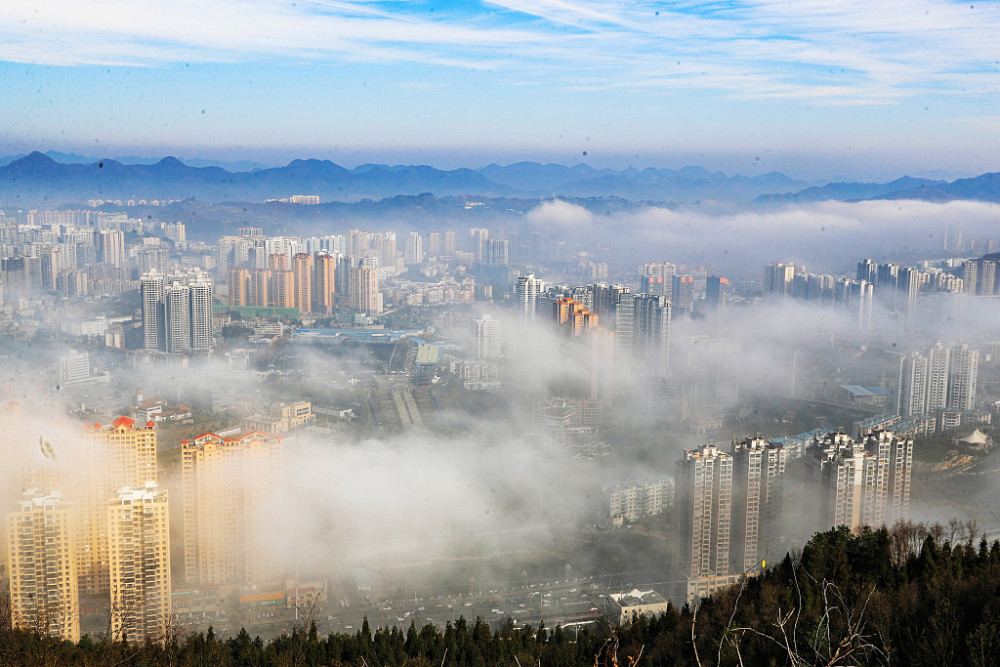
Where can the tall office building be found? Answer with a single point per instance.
(486, 337)
(682, 293)
(526, 293)
(758, 477)
(44, 594)
(324, 283)
(703, 514)
(228, 484)
(302, 268)
(716, 288)
(449, 242)
(139, 562)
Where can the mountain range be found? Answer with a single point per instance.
(38, 179)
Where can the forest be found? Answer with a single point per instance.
(910, 594)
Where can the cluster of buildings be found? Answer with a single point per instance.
(729, 506)
(94, 522)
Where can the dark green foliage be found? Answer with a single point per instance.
(848, 599)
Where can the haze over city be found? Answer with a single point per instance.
(475, 333)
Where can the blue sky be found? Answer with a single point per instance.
(815, 87)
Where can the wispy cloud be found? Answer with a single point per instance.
(843, 52)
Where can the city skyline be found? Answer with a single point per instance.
(811, 90)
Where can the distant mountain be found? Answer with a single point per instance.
(981, 188)
(37, 178)
(45, 179)
(73, 158)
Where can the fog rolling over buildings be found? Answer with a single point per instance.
(526, 401)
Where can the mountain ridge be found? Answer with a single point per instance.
(39, 178)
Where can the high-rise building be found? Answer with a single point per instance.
(642, 330)
(479, 238)
(324, 285)
(912, 398)
(682, 293)
(239, 287)
(526, 294)
(758, 476)
(963, 372)
(716, 288)
(365, 296)
(302, 267)
(938, 362)
(111, 247)
(228, 484)
(123, 454)
(151, 292)
(657, 279)
(282, 287)
(573, 316)
(260, 288)
(414, 249)
(605, 299)
(200, 318)
(449, 242)
(139, 563)
(177, 318)
(703, 513)
(778, 278)
(867, 270)
(486, 337)
(41, 556)
(862, 483)
(177, 311)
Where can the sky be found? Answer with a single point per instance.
(820, 88)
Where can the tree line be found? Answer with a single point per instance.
(907, 595)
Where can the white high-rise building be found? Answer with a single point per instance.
(526, 293)
(151, 289)
(177, 318)
(201, 312)
(414, 249)
(486, 337)
(938, 359)
(912, 385)
(963, 371)
(177, 311)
